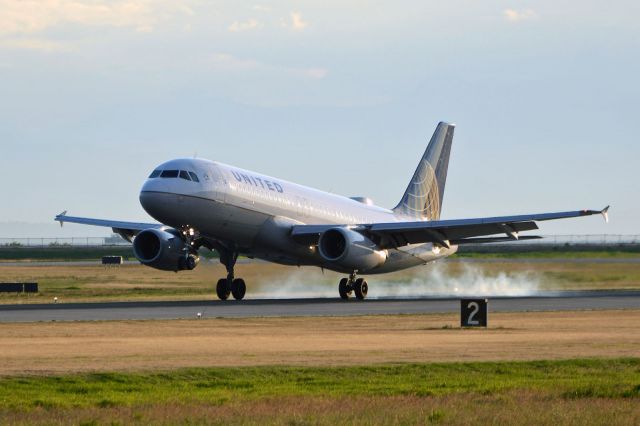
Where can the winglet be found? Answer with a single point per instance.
(60, 218)
(605, 213)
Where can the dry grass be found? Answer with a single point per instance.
(312, 341)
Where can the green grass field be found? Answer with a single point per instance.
(589, 391)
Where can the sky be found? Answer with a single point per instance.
(341, 96)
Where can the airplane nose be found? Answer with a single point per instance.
(152, 200)
(149, 202)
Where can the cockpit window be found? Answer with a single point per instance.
(182, 174)
(169, 174)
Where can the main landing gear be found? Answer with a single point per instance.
(230, 285)
(351, 285)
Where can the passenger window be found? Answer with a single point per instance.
(154, 174)
(169, 174)
(184, 175)
(194, 177)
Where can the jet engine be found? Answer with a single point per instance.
(350, 250)
(163, 249)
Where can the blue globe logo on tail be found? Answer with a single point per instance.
(422, 199)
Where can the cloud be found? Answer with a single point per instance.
(261, 8)
(513, 15)
(41, 45)
(315, 72)
(251, 24)
(295, 22)
(228, 62)
(33, 16)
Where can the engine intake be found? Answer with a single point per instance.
(163, 249)
(350, 250)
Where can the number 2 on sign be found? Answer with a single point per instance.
(476, 308)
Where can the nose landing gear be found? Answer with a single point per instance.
(190, 259)
(350, 285)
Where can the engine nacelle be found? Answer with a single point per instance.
(350, 250)
(163, 249)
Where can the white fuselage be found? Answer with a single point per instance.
(255, 212)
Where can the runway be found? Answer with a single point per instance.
(556, 301)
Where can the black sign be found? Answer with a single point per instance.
(473, 312)
(18, 287)
(112, 260)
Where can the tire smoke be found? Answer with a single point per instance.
(435, 280)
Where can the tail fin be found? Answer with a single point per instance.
(423, 198)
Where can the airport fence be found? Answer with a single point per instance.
(546, 240)
(63, 242)
(562, 243)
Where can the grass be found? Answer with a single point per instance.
(619, 378)
(137, 282)
(589, 391)
(130, 346)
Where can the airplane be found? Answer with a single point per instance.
(200, 203)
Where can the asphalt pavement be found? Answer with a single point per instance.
(556, 301)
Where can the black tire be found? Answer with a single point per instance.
(222, 290)
(361, 288)
(238, 288)
(344, 289)
(191, 262)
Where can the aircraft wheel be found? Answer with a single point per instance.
(361, 288)
(191, 262)
(344, 289)
(238, 288)
(222, 290)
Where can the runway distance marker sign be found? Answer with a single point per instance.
(18, 287)
(112, 260)
(473, 312)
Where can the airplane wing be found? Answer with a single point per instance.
(126, 229)
(444, 232)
